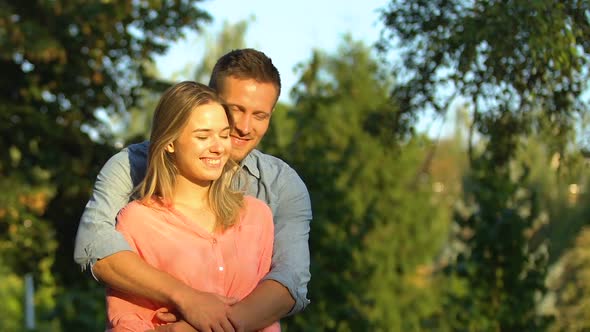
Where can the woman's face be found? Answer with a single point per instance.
(204, 144)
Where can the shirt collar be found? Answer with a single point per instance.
(250, 164)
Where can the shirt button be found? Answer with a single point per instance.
(221, 268)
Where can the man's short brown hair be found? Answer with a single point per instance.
(245, 63)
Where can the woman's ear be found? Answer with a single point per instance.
(170, 147)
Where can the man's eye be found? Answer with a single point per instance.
(202, 137)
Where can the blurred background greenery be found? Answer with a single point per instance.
(485, 229)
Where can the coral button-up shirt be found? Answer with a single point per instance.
(229, 263)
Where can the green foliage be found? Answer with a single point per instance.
(501, 266)
(572, 288)
(554, 176)
(563, 180)
(523, 67)
(136, 126)
(232, 36)
(11, 290)
(516, 56)
(376, 228)
(504, 273)
(75, 58)
(64, 64)
(81, 307)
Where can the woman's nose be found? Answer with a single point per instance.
(216, 145)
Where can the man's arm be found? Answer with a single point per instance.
(284, 289)
(269, 302)
(96, 237)
(290, 261)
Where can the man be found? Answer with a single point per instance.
(250, 84)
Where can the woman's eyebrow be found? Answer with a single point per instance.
(209, 129)
(201, 129)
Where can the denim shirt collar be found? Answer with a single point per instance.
(250, 164)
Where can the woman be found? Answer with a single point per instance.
(187, 220)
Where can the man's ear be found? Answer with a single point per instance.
(170, 147)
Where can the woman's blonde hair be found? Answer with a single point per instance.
(170, 117)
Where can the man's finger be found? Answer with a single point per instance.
(181, 326)
(216, 327)
(227, 325)
(236, 325)
(166, 317)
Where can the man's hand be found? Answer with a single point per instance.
(206, 312)
(167, 316)
(180, 326)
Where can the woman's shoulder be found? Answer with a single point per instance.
(256, 208)
(254, 204)
(137, 212)
(133, 208)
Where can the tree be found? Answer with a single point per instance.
(376, 229)
(63, 64)
(504, 273)
(571, 287)
(523, 66)
(232, 36)
(135, 126)
(521, 57)
(562, 181)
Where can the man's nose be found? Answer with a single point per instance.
(243, 124)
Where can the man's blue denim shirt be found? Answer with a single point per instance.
(266, 177)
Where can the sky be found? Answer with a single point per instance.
(287, 31)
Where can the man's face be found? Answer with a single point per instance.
(251, 103)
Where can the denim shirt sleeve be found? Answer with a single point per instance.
(96, 237)
(290, 261)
